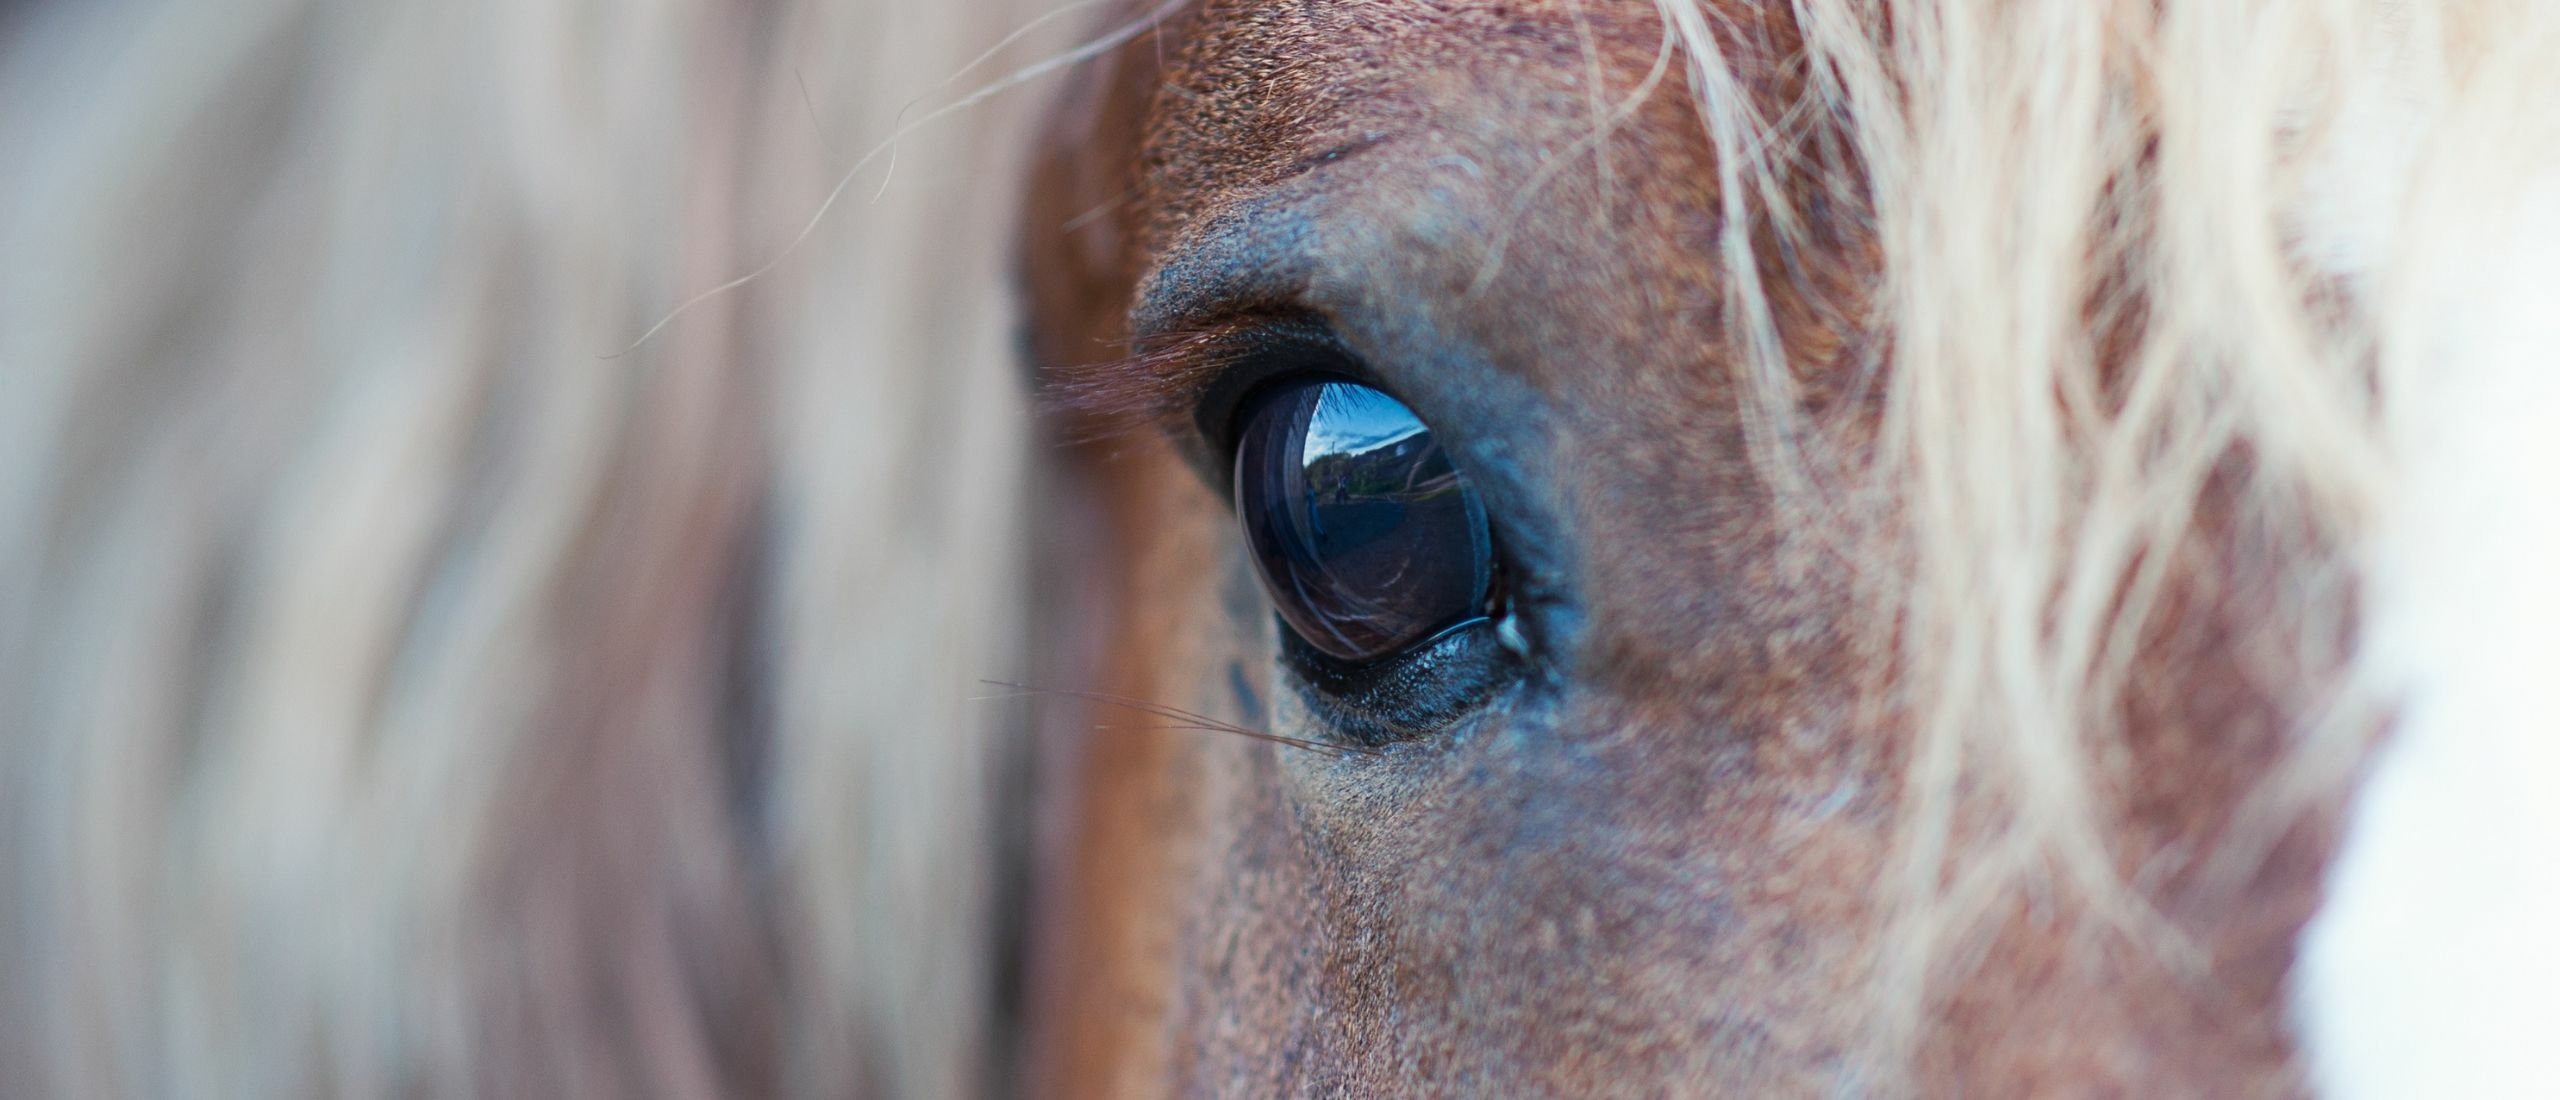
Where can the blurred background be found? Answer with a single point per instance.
(414, 682)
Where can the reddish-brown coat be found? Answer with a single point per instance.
(1663, 873)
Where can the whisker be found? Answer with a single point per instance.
(1146, 706)
(1155, 710)
(1257, 735)
(1176, 717)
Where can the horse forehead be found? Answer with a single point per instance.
(1529, 177)
(1260, 92)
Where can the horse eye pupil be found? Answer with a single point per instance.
(1367, 537)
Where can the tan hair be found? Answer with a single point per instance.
(402, 696)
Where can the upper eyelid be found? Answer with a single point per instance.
(1274, 348)
(1254, 259)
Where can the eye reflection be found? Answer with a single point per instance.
(1365, 534)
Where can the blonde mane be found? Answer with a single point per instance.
(403, 697)
(2130, 247)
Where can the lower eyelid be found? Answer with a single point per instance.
(1420, 693)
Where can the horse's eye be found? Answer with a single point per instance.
(1367, 537)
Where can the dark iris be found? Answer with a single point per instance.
(1366, 535)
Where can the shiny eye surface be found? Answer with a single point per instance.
(1367, 537)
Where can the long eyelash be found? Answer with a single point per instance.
(1178, 718)
(1152, 387)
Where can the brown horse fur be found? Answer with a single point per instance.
(1708, 847)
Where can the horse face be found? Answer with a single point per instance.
(1629, 817)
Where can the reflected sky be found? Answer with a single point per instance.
(1353, 418)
